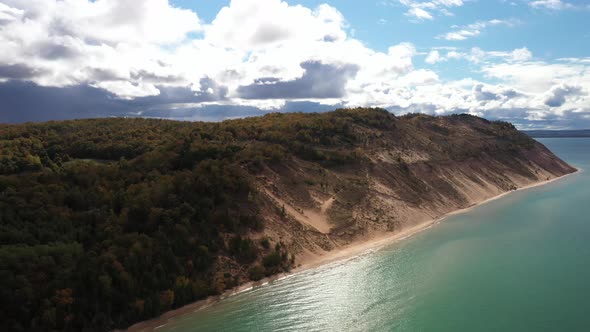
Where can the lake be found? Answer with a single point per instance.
(519, 263)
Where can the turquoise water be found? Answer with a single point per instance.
(520, 263)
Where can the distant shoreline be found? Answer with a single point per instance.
(582, 133)
(353, 250)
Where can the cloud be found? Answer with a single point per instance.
(521, 54)
(538, 76)
(73, 59)
(460, 34)
(516, 55)
(252, 24)
(530, 94)
(64, 43)
(477, 55)
(484, 92)
(419, 13)
(424, 10)
(30, 102)
(318, 81)
(434, 57)
(39, 103)
(18, 71)
(556, 96)
(550, 4)
(474, 29)
(9, 14)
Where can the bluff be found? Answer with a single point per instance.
(106, 222)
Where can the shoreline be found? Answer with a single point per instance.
(350, 251)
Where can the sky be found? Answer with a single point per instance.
(522, 61)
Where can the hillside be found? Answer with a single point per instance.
(110, 221)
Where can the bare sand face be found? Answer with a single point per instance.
(309, 260)
(314, 219)
(381, 239)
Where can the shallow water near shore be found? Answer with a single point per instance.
(519, 263)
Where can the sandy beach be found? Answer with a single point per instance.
(372, 244)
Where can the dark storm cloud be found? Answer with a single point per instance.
(210, 91)
(319, 81)
(22, 102)
(558, 95)
(51, 51)
(482, 94)
(267, 80)
(25, 101)
(18, 71)
(146, 76)
(101, 75)
(98, 75)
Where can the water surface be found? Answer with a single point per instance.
(520, 263)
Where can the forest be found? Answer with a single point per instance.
(106, 222)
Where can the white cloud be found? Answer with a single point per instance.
(127, 89)
(423, 10)
(556, 96)
(244, 57)
(434, 57)
(252, 24)
(528, 93)
(8, 14)
(550, 4)
(419, 13)
(521, 54)
(461, 34)
(474, 29)
(73, 42)
(516, 55)
(477, 55)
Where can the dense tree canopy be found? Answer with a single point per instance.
(109, 221)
